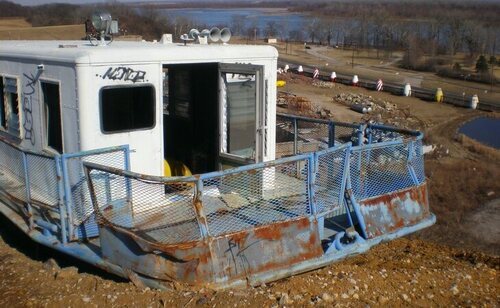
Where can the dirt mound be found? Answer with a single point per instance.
(400, 272)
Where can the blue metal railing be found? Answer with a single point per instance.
(384, 159)
(41, 183)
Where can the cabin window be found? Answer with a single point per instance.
(127, 108)
(10, 106)
(240, 112)
(52, 115)
(3, 119)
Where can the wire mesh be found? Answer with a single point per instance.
(158, 212)
(79, 192)
(295, 135)
(345, 132)
(12, 176)
(418, 161)
(330, 177)
(242, 200)
(43, 180)
(380, 170)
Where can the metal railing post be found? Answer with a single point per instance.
(60, 190)
(198, 208)
(331, 134)
(409, 163)
(28, 191)
(128, 182)
(311, 177)
(295, 136)
(345, 174)
(67, 196)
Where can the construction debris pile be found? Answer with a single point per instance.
(379, 111)
(323, 84)
(291, 103)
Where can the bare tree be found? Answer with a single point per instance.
(271, 29)
(237, 24)
(313, 28)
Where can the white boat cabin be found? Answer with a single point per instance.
(208, 107)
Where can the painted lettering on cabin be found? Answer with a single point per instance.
(29, 90)
(124, 73)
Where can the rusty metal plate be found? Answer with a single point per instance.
(391, 212)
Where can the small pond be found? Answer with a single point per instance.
(484, 129)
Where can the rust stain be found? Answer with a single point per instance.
(198, 206)
(314, 252)
(395, 204)
(252, 171)
(274, 231)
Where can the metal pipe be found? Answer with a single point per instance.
(295, 136)
(198, 208)
(60, 201)
(355, 206)
(47, 225)
(311, 171)
(68, 200)
(409, 164)
(28, 190)
(331, 134)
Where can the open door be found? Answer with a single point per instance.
(242, 110)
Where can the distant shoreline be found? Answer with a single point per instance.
(267, 11)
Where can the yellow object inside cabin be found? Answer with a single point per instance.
(172, 167)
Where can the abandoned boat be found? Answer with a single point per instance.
(159, 162)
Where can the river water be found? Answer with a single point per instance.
(484, 129)
(259, 18)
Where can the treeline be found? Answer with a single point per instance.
(146, 22)
(430, 27)
(482, 11)
(220, 4)
(430, 33)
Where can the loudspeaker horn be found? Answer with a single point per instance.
(205, 33)
(194, 33)
(214, 34)
(225, 35)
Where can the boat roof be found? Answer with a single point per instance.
(84, 53)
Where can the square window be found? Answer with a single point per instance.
(127, 108)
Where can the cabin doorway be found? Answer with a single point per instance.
(190, 117)
(212, 116)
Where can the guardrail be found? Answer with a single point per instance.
(48, 190)
(53, 192)
(183, 209)
(298, 135)
(170, 211)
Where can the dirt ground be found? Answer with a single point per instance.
(454, 263)
(399, 273)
